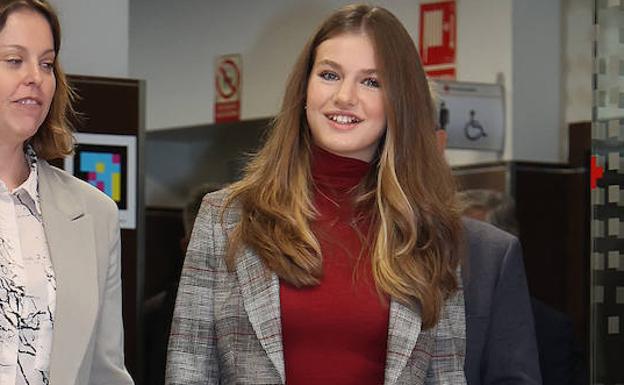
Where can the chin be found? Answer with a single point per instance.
(27, 133)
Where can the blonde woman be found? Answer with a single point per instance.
(335, 259)
(60, 286)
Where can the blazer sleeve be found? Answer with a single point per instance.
(511, 355)
(108, 356)
(192, 356)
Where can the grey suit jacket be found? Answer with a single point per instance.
(82, 229)
(226, 326)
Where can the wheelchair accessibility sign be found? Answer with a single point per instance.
(474, 116)
(473, 129)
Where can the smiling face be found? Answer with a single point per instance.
(27, 81)
(345, 103)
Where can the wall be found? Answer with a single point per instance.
(95, 37)
(484, 55)
(536, 80)
(577, 66)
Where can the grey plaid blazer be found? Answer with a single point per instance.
(226, 326)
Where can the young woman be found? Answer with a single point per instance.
(336, 259)
(60, 289)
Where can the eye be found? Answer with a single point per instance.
(328, 75)
(47, 66)
(371, 82)
(13, 61)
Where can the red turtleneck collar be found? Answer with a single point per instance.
(335, 174)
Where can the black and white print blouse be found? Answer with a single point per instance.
(27, 285)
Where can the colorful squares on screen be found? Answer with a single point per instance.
(103, 170)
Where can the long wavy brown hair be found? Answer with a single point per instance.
(54, 138)
(409, 193)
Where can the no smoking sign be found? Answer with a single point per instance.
(227, 88)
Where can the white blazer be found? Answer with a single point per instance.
(82, 229)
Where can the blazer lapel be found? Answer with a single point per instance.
(260, 289)
(72, 251)
(405, 340)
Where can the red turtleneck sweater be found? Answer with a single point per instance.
(336, 332)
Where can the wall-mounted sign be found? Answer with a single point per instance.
(475, 114)
(447, 73)
(437, 40)
(108, 162)
(228, 74)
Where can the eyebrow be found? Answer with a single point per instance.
(22, 48)
(338, 67)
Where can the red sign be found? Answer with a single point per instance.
(438, 36)
(438, 39)
(227, 88)
(441, 73)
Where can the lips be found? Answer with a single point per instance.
(28, 101)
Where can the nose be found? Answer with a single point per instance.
(33, 74)
(346, 95)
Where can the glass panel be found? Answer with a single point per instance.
(607, 196)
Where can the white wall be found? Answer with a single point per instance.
(95, 36)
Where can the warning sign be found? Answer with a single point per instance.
(228, 73)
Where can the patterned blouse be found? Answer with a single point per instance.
(27, 285)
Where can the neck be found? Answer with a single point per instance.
(13, 165)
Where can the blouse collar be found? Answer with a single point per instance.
(30, 185)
